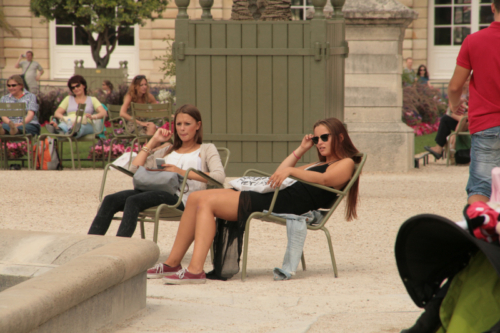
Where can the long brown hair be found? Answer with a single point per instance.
(132, 90)
(342, 147)
(192, 111)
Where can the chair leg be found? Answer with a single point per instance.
(143, 233)
(212, 257)
(245, 251)
(303, 260)
(332, 255)
(132, 151)
(157, 225)
(71, 150)
(78, 155)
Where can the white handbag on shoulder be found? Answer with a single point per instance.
(257, 184)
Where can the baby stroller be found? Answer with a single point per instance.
(454, 275)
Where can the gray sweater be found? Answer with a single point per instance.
(210, 161)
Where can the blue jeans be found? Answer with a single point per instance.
(485, 155)
(33, 129)
(84, 129)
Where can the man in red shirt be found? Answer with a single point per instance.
(480, 53)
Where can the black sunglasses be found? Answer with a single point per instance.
(323, 138)
(140, 77)
(77, 86)
(12, 85)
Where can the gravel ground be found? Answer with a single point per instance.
(368, 295)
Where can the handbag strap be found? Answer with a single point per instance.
(28, 67)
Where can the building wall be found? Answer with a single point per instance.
(35, 36)
(415, 42)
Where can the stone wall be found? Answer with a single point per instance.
(415, 42)
(373, 92)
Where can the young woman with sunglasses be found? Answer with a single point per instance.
(17, 94)
(138, 92)
(335, 167)
(69, 105)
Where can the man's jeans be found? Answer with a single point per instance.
(33, 129)
(485, 155)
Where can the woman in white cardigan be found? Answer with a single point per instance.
(188, 151)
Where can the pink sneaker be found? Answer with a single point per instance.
(185, 277)
(161, 270)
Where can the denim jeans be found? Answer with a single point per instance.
(33, 129)
(131, 203)
(84, 129)
(485, 155)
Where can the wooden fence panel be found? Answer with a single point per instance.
(234, 92)
(260, 85)
(249, 97)
(264, 93)
(219, 107)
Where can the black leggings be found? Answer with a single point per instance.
(131, 202)
(446, 126)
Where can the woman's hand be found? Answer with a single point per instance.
(307, 143)
(88, 115)
(161, 135)
(53, 123)
(172, 168)
(279, 176)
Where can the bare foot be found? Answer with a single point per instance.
(13, 128)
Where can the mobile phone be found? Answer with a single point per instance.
(23, 56)
(159, 163)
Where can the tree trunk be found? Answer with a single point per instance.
(277, 10)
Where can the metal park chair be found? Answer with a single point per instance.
(15, 110)
(461, 131)
(68, 137)
(118, 127)
(165, 212)
(267, 217)
(156, 113)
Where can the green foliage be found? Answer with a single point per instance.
(109, 19)
(168, 61)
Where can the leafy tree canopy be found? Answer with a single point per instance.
(104, 21)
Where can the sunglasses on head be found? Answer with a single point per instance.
(140, 77)
(77, 86)
(12, 85)
(323, 138)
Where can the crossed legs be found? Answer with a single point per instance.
(198, 225)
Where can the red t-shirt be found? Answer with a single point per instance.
(480, 52)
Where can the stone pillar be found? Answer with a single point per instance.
(373, 91)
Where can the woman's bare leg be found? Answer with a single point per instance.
(188, 225)
(219, 203)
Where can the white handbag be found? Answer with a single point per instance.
(257, 184)
(123, 161)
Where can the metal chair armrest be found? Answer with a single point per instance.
(210, 180)
(105, 173)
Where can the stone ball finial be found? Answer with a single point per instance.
(207, 7)
(319, 6)
(182, 5)
(337, 7)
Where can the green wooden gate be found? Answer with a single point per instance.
(260, 86)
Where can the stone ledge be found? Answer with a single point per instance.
(377, 9)
(106, 262)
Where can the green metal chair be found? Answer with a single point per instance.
(156, 113)
(118, 123)
(267, 217)
(80, 113)
(15, 110)
(165, 212)
(459, 132)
